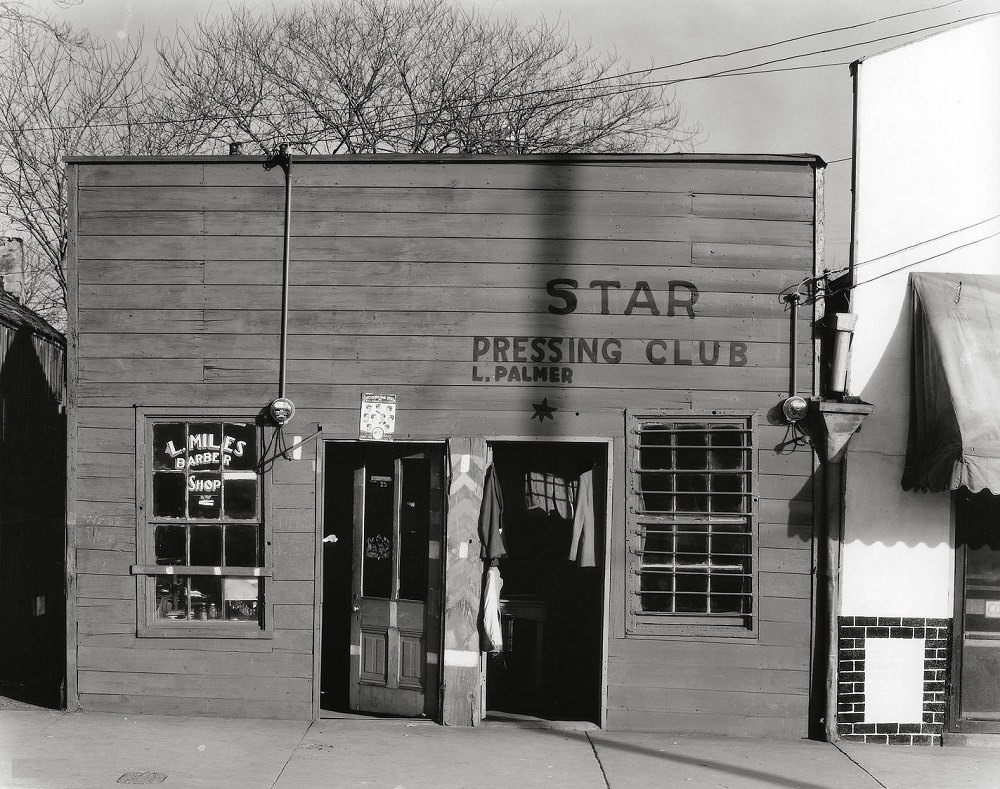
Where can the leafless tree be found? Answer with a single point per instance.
(370, 76)
(357, 76)
(62, 93)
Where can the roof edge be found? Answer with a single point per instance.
(797, 158)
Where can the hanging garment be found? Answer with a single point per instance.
(581, 547)
(546, 492)
(492, 629)
(491, 519)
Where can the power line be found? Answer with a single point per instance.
(829, 274)
(772, 44)
(747, 70)
(409, 117)
(928, 241)
(916, 262)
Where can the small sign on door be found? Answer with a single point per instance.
(378, 417)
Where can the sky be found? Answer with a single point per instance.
(802, 105)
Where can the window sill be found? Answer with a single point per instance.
(689, 630)
(237, 630)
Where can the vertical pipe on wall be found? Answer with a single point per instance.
(283, 158)
(792, 300)
(831, 425)
(831, 590)
(286, 246)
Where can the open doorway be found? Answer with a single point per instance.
(975, 699)
(551, 600)
(383, 517)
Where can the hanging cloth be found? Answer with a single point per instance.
(491, 519)
(547, 491)
(954, 438)
(492, 630)
(581, 547)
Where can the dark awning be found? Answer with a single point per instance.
(954, 436)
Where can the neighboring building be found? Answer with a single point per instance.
(607, 333)
(32, 505)
(920, 605)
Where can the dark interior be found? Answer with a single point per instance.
(551, 607)
(341, 459)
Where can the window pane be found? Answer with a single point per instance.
(657, 546)
(656, 591)
(205, 446)
(690, 493)
(730, 546)
(241, 546)
(206, 597)
(656, 490)
(171, 597)
(168, 446)
(204, 495)
(170, 545)
(654, 451)
(239, 446)
(168, 495)
(206, 546)
(690, 453)
(691, 595)
(692, 548)
(726, 443)
(728, 485)
(730, 594)
(378, 558)
(242, 599)
(414, 526)
(240, 496)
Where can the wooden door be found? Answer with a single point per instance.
(395, 626)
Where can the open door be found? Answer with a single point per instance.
(395, 579)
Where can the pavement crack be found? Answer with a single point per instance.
(291, 753)
(858, 765)
(597, 756)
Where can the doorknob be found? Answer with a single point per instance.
(355, 608)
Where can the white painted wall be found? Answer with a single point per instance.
(927, 198)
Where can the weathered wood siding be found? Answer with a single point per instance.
(397, 267)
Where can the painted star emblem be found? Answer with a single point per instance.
(543, 410)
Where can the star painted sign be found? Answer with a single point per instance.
(543, 410)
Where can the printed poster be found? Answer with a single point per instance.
(378, 416)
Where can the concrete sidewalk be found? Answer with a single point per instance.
(54, 750)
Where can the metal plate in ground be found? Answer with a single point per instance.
(135, 777)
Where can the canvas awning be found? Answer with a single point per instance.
(954, 438)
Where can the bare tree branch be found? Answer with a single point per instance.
(355, 76)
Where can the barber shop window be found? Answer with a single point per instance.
(202, 546)
(691, 541)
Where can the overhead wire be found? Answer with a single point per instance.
(914, 263)
(827, 275)
(735, 52)
(781, 42)
(747, 70)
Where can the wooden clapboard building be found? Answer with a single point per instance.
(32, 481)
(599, 343)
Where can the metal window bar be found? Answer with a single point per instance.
(671, 467)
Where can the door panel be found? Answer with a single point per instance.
(398, 520)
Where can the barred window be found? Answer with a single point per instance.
(691, 536)
(202, 545)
